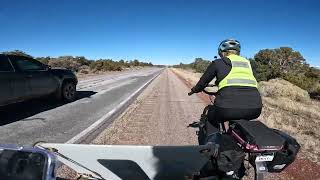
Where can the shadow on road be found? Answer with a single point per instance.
(20, 111)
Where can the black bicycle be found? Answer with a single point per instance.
(267, 150)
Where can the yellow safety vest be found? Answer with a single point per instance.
(240, 75)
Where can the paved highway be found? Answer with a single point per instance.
(51, 121)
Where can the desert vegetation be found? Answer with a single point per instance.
(290, 108)
(82, 65)
(283, 62)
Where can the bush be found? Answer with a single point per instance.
(84, 69)
(80, 63)
(65, 62)
(183, 66)
(279, 88)
(302, 81)
(290, 65)
(266, 72)
(200, 65)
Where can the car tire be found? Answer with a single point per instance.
(68, 91)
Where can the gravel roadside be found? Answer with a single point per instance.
(160, 115)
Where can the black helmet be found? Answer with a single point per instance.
(229, 44)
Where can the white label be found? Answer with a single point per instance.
(230, 173)
(262, 168)
(264, 158)
(279, 166)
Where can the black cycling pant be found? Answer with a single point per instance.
(218, 115)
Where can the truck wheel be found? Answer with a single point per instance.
(69, 91)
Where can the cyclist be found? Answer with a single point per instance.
(237, 96)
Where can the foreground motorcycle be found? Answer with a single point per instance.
(99, 162)
(266, 149)
(218, 156)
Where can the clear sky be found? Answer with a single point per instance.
(162, 31)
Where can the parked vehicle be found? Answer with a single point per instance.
(23, 78)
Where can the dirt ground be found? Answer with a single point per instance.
(160, 115)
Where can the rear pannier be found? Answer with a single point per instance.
(286, 156)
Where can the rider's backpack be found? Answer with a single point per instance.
(286, 156)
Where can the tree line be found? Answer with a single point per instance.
(281, 62)
(199, 65)
(83, 65)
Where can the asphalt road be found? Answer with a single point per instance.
(51, 121)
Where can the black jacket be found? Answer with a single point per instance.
(231, 96)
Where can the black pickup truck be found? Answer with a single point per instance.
(23, 78)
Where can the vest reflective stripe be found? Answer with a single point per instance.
(240, 75)
(242, 81)
(240, 64)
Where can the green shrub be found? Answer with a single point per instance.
(290, 65)
(302, 81)
(200, 65)
(266, 72)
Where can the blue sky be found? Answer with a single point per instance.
(162, 31)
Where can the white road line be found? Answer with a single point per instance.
(91, 128)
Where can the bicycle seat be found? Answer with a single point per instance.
(256, 134)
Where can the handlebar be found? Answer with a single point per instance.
(210, 93)
(205, 91)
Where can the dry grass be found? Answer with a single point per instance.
(192, 77)
(277, 88)
(300, 120)
(189, 75)
(288, 108)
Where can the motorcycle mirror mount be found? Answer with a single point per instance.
(19, 159)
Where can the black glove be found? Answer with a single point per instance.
(191, 92)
